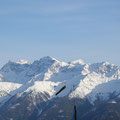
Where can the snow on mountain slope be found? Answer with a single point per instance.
(7, 90)
(14, 72)
(48, 75)
(22, 73)
(43, 87)
(96, 86)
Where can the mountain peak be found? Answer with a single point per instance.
(48, 59)
(80, 61)
(22, 62)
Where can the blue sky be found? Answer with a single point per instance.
(64, 29)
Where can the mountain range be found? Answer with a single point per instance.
(28, 90)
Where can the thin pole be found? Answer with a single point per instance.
(75, 113)
(75, 110)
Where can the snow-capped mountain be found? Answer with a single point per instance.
(41, 79)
